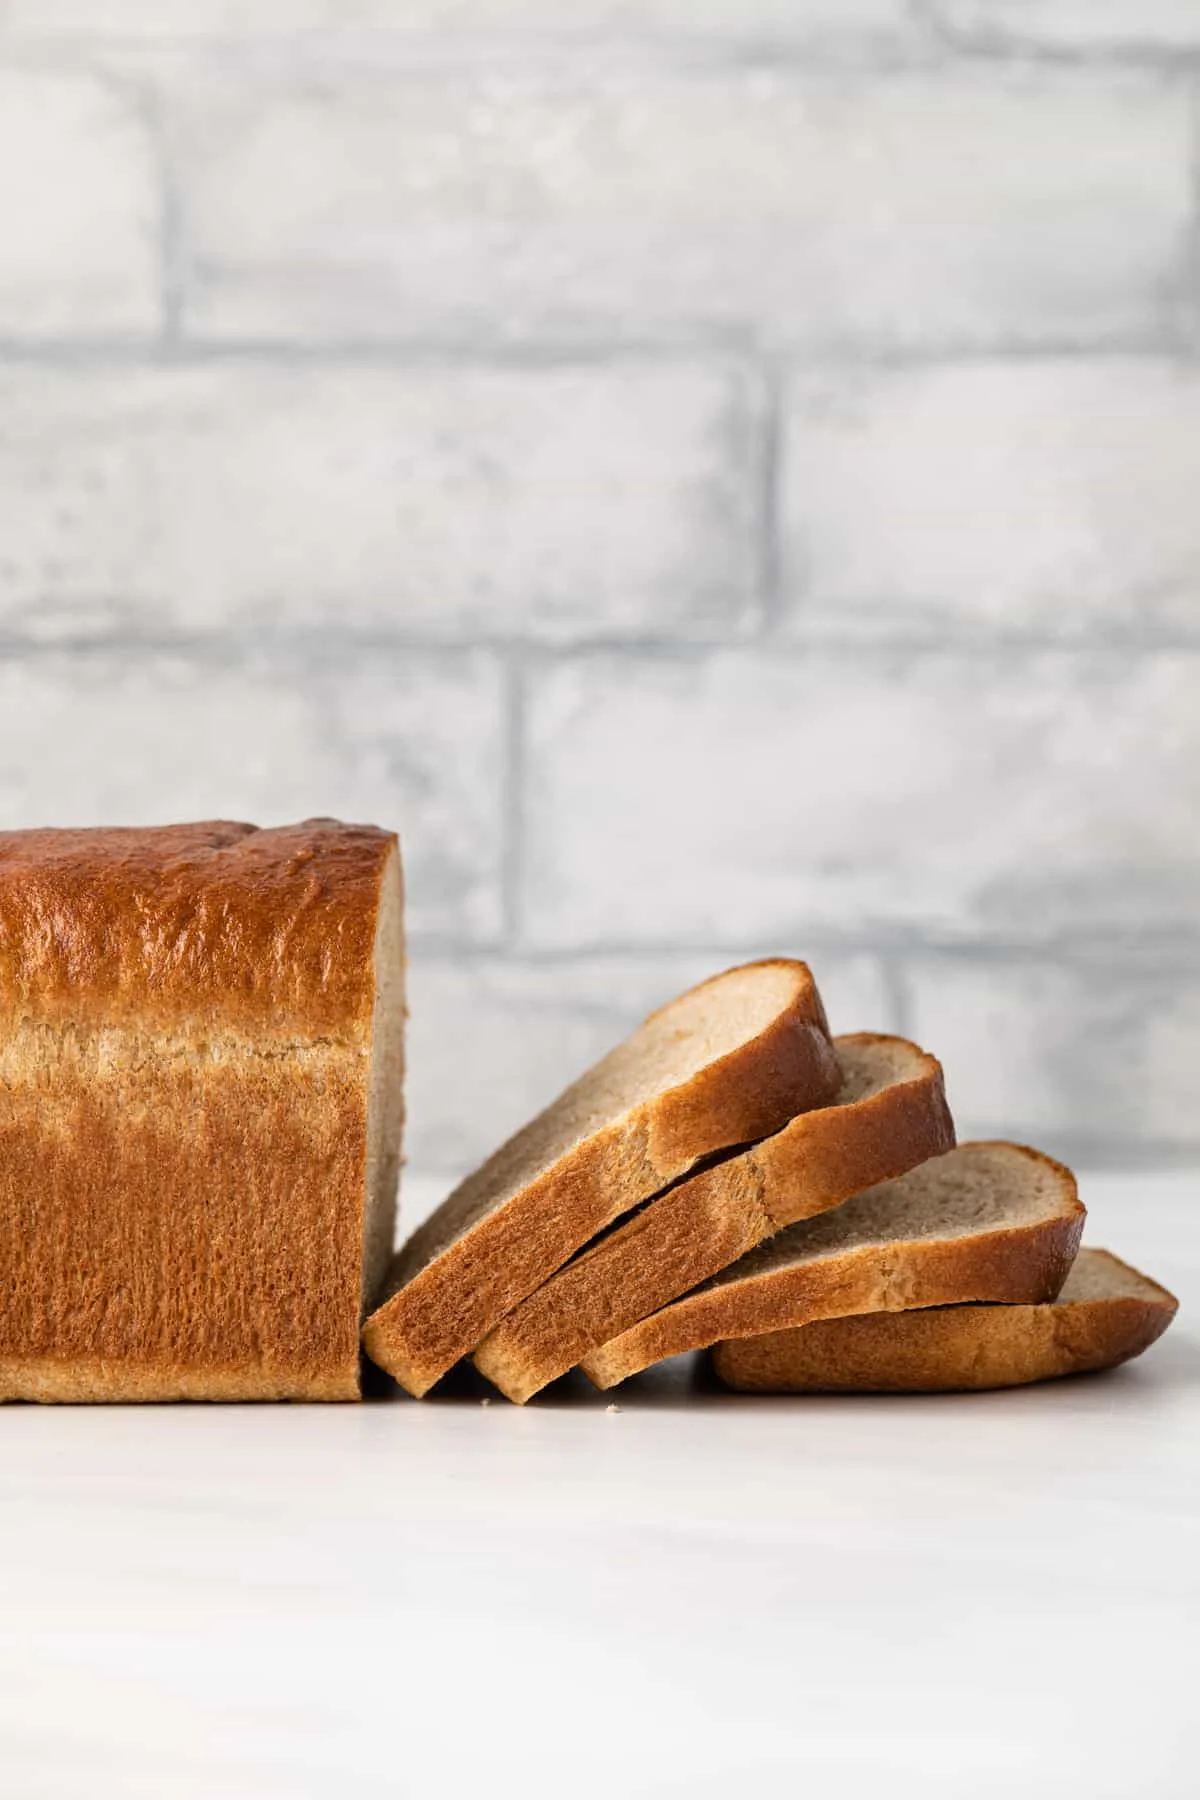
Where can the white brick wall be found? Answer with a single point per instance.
(1042, 1049)
(78, 209)
(588, 501)
(790, 21)
(821, 209)
(720, 475)
(1050, 497)
(864, 795)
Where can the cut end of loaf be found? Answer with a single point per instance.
(385, 1086)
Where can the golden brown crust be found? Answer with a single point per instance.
(669, 1246)
(954, 1348)
(1025, 1263)
(815, 1162)
(445, 1309)
(185, 1035)
(749, 1092)
(257, 930)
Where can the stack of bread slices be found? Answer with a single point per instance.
(732, 1176)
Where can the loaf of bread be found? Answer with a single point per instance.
(987, 1221)
(888, 1115)
(729, 1061)
(201, 1069)
(1105, 1314)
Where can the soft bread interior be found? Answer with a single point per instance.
(870, 1064)
(970, 1189)
(667, 1050)
(1099, 1275)
(385, 1089)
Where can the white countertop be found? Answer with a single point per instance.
(698, 1595)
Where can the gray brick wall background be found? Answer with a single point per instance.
(721, 475)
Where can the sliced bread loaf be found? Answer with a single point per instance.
(1105, 1314)
(726, 1063)
(201, 1102)
(988, 1221)
(889, 1115)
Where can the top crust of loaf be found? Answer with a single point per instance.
(727, 1062)
(267, 931)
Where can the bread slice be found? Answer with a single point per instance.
(888, 1115)
(201, 1104)
(987, 1221)
(1105, 1314)
(729, 1061)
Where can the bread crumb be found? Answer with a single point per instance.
(486, 1401)
(612, 1407)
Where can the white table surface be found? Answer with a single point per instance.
(698, 1595)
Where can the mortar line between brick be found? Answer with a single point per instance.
(686, 345)
(1172, 955)
(146, 101)
(512, 848)
(770, 549)
(898, 991)
(1191, 254)
(342, 644)
(928, 41)
(1082, 1151)
(170, 229)
(983, 45)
